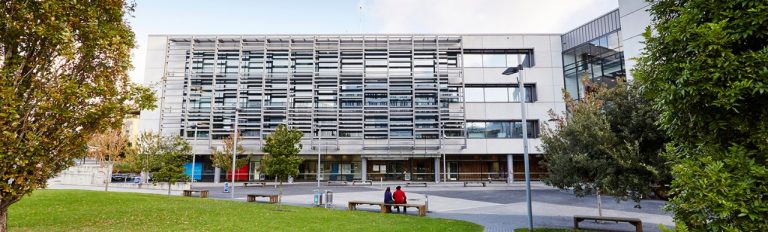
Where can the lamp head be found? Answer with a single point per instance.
(511, 70)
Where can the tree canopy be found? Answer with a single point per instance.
(704, 68)
(63, 76)
(606, 142)
(282, 148)
(223, 158)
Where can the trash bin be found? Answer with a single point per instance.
(318, 198)
(226, 187)
(328, 198)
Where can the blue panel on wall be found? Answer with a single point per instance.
(198, 170)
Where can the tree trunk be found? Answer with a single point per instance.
(280, 196)
(599, 204)
(107, 179)
(169, 188)
(3, 219)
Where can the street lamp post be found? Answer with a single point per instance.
(193, 153)
(234, 153)
(510, 71)
(319, 140)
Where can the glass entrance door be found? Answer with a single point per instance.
(453, 170)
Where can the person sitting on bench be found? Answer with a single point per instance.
(388, 198)
(399, 197)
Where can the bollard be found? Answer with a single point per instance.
(328, 198)
(426, 203)
(381, 182)
(318, 198)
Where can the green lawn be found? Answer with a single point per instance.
(79, 210)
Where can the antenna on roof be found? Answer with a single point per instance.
(361, 7)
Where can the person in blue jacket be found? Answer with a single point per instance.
(388, 198)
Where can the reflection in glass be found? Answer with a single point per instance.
(496, 95)
(473, 95)
(494, 60)
(473, 60)
(475, 130)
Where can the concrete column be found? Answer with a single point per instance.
(216, 175)
(364, 168)
(437, 169)
(510, 177)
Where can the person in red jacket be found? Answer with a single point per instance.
(399, 197)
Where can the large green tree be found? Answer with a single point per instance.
(606, 143)
(281, 157)
(705, 66)
(63, 76)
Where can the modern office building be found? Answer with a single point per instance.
(397, 107)
(421, 107)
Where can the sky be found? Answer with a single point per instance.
(355, 16)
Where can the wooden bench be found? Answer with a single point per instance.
(338, 183)
(387, 208)
(409, 184)
(257, 184)
(362, 182)
(476, 182)
(203, 193)
(272, 197)
(634, 221)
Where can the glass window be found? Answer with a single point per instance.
(475, 130)
(514, 94)
(497, 130)
(494, 60)
(530, 94)
(513, 60)
(474, 95)
(496, 95)
(473, 60)
(613, 40)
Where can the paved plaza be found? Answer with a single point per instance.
(498, 207)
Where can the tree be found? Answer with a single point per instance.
(281, 158)
(223, 158)
(63, 77)
(162, 156)
(170, 162)
(704, 68)
(606, 144)
(107, 148)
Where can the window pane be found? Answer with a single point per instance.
(514, 94)
(473, 60)
(474, 95)
(475, 130)
(497, 130)
(496, 95)
(494, 60)
(513, 60)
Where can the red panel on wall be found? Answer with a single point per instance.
(240, 174)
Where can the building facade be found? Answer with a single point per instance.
(374, 106)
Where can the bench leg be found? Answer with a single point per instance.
(576, 223)
(638, 226)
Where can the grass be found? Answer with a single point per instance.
(80, 210)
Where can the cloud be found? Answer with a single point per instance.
(483, 16)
